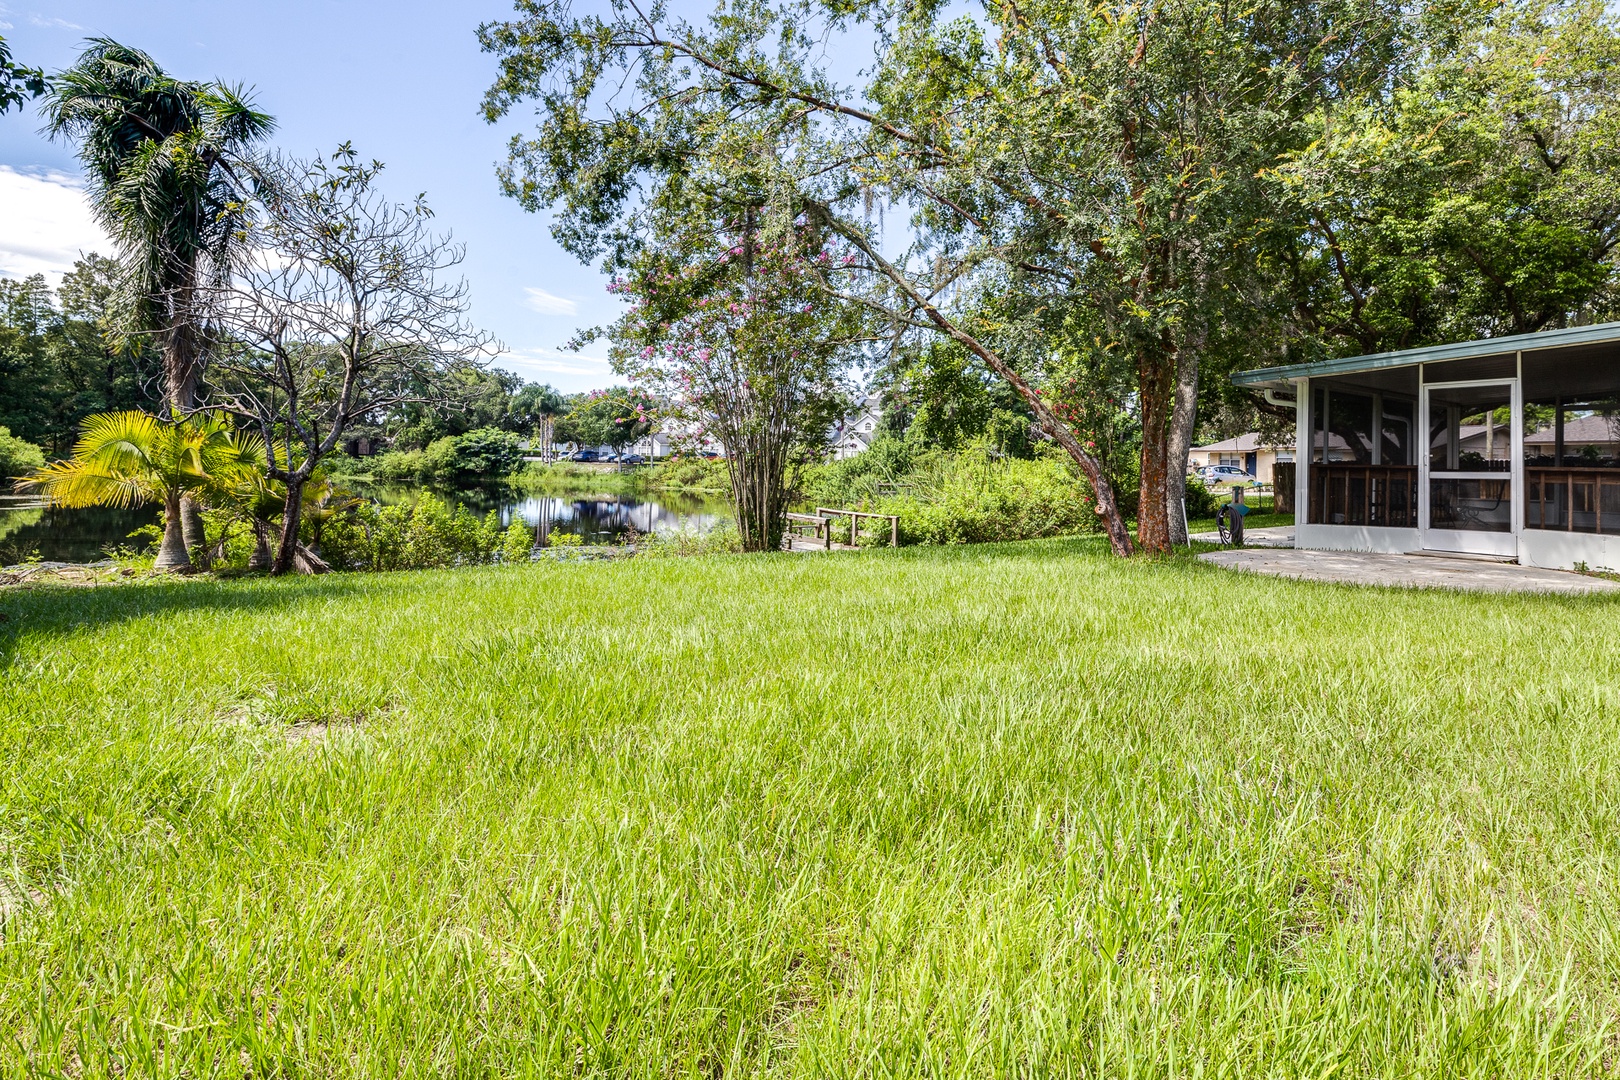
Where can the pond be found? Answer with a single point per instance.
(30, 530)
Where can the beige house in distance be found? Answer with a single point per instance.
(1248, 452)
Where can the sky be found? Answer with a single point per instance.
(402, 81)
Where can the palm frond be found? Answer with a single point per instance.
(77, 483)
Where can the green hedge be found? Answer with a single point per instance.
(428, 534)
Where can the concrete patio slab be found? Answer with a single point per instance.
(1270, 537)
(1407, 571)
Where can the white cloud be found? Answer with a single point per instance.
(541, 363)
(547, 304)
(45, 224)
(52, 23)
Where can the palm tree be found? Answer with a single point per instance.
(168, 171)
(128, 459)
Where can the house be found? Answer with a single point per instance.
(857, 431)
(674, 436)
(1428, 450)
(1588, 438)
(1251, 452)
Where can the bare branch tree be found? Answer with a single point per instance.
(335, 313)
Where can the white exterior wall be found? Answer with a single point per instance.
(1356, 538)
(1555, 550)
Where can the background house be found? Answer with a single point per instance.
(857, 430)
(1249, 452)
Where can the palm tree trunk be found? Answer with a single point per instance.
(261, 558)
(180, 371)
(172, 552)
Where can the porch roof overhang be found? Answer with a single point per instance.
(1282, 378)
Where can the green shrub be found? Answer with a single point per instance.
(430, 533)
(517, 543)
(562, 539)
(18, 457)
(485, 453)
(1201, 502)
(396, 465)
(974, 495)
(690, 474)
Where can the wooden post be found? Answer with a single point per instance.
(894, 530)
(854, 522)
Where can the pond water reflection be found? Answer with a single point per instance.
(28, 529)
(598, 519)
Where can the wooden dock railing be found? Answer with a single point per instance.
(855, 523)
(821, 523)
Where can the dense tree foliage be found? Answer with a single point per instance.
(616, 417)
(58, 361)
(1108, 204)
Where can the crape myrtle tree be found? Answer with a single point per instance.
(732, 327)
(167, 170)
(335, 312)
(1090, 164)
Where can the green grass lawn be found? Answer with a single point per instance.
(992, 811)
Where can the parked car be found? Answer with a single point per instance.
(1225, 474)
(632, 459)
(609, 456)
(584, 455)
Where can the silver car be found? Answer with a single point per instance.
(1224, 474)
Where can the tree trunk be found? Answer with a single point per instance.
(1183, 418)
(1155, 383)
(171, 554)
(261, 558)
(291, 508)
(756, 492)
(180, 372)
(195, 534)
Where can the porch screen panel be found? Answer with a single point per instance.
(1362, 471)
(1572, 440)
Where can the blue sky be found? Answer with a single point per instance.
(401, 80)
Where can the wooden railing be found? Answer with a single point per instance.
(1573, 500)
(855, 517)
(1380, 495)
(819, 526)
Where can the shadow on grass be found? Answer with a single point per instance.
(66, 610)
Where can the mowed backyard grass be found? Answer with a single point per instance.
(1018, 810)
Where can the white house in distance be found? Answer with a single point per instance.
(1249, 452)
(1505, 447)
(857, 430)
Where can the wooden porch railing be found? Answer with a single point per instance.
(1380, 495)
(1573, 500)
